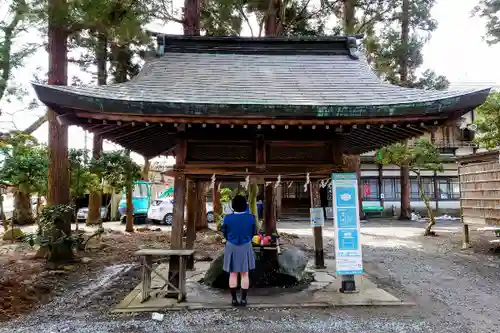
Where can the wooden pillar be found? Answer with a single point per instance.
(319, 257)
(279, 196)
(192, 209)
(434, 179)
(253, 189)
(178, 218)
(129, 222)
(216, 201)
(381, 185)
(357, 169)
(201, 216)
(465, 226)
(269, 211)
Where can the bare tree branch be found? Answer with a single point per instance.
(245, 17)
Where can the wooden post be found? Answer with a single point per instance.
(129, 226)
(279, 196)
(465, 226)
(203, 206)
(201, 215)
(319, 257)
(269, 212)
(253, 188)
(147, 263)
(357, 166)
(381, 185)
(192, 208)
(178, 218)
(216, 201)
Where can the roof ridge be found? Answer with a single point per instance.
(298, 45)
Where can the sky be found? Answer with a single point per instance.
(456, 50)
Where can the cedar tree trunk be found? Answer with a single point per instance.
(58, 175)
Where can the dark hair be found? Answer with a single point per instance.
(239, 204)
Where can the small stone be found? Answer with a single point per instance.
(68, 268)
(202, 256)
(85, 260)
(323, 277)
(157, 316)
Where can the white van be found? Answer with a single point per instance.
(161, 211)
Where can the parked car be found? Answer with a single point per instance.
(161, 211)
(83, 213)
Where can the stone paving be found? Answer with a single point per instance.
(322, 293)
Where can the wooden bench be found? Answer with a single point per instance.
(496, 230)
(147, 270)
(372, 207)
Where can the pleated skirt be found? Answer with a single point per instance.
(238, 258)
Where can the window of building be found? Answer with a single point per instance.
(448, 188)
(295, 191)
(391, 188)
(428, 187)
(369, 189)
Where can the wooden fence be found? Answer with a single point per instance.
(480, 189)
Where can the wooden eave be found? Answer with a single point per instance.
(484, 157)
(156, 135)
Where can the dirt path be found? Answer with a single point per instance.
(455, 291)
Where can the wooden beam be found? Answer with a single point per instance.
(185, 119)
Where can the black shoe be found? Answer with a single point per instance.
(243, 301)
(234, 301)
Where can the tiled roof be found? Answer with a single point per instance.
(243, 73)
(260, 79)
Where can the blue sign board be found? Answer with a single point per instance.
(348, 256)
(317, 217)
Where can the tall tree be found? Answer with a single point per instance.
(58, 187)
(119, 172)
(419, 157)
(396, 55)
(490, 11)
(24, 166)
(95, 196)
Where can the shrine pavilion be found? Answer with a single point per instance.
(258, 107)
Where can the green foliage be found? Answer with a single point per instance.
(422, 155)
(50, 232)
(225, 194)
(219, 221)
(24, 163)
(221, 17)
(117, 169)
(82, 179)
(488, 122)
(489, 10)
(15, 21)
(386, 48)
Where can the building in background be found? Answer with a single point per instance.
(381, 184)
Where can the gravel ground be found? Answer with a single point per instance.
(454, 291)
